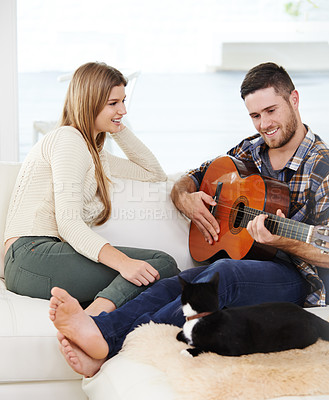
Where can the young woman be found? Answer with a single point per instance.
(63, 188)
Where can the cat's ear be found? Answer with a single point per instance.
(182, 282)
(215, 279)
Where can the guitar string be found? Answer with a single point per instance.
(287, 226)
(254, 212)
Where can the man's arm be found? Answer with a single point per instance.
(302, 250)
(195, 205)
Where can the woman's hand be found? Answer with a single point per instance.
(138, 272)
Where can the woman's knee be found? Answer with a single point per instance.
(165, 264)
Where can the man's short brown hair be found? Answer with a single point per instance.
(267, 75)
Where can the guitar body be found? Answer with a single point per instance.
(242, 186)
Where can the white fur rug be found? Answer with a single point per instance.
(213, 377)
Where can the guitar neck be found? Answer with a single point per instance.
(280, 226)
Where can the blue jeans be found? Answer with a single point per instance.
(241, 282)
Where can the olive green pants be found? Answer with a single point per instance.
(33, 265)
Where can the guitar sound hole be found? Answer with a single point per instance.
(239, 215)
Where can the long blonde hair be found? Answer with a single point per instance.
(87, 95)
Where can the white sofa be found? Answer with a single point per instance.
(31, 366)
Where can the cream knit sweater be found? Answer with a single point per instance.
(55, 191)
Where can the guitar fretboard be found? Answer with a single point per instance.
(278, 225)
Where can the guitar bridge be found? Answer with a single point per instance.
(213, 209)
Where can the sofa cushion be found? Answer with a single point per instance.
(29, 348)
(143, 215)
(8, 173)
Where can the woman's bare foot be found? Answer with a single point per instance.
(77, 359)
(71, 320)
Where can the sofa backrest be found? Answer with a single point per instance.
(8, 174)
(144, 216)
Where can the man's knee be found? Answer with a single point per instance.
(228, 272)
(226, 267)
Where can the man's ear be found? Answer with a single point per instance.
(294, 99)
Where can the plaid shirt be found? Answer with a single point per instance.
(307, 175)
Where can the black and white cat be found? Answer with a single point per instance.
(263, 328)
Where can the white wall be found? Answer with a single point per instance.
(8, 82)
(155, 35)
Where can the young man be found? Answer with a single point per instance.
(285, 149)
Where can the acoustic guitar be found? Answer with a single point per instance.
(241, 194)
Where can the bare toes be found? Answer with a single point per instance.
(52, 315)
(60, 336)
(60, 295)
(72, 356)
(54, 302)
